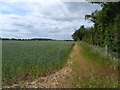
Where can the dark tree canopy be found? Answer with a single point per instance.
(78, 34)
(106, 27)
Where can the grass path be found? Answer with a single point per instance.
(79, 72)
(89, 73)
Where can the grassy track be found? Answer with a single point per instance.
(25, 60)
(91, 70)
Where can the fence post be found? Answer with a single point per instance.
(106, 51)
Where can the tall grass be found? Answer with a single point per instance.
(95, 53)
(24, 60)
(92, 70)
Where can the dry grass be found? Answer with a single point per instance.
(90, 74)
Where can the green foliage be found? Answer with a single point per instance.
(78, 34)
(23, 60)
(106, 26)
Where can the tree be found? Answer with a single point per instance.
(106, 25)
(78, 34)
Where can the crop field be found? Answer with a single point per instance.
(23, 60)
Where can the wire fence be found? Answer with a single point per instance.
(105, 52)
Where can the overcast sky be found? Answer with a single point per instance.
(44, 19)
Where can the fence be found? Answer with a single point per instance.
(105, 52)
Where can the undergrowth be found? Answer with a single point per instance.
(91, 54)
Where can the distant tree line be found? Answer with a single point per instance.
(39, 39)
(106, 30)
(33, 39)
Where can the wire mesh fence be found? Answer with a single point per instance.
(105, 52)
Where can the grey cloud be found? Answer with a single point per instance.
(17, 24)
(67, 18)
(10, 30)
(56, 21)
(56, 30)
(84, 7)
(14, 18)
(23, 25)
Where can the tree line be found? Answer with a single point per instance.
(106, 27)
(33, 39)
(39, 39)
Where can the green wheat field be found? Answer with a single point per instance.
(23, 60)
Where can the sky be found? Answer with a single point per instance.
(53, 19)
